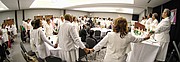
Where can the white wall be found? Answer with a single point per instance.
(112, 15)
(19, 18)
(6, 15)
(76, 13)
(31, 13)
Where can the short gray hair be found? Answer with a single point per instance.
(167, 11)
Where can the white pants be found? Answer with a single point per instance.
(161, 56)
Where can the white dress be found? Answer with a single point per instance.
(68, 41)
(117, 48)
(49, 30)
(39, 38)
(5, 35)
(162, 36)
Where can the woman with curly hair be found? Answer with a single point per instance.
(117, 41)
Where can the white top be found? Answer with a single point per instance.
(154, 24)
(162, 30)
(148, 22)
(49, 29)
(116, 47)
(143, 21)
(5, 35)
(68, 38)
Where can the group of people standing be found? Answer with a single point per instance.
(161, 31)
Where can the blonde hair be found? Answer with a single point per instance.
(120, 25)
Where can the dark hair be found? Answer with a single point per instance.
(33, 23)
(150, 14)
(47, 20)
(120, 25)
(91, 32)
(155, 15)
(145, 17)
(37, 24)
(67, 17)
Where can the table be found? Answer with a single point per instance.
(145, 51)
(103, 30)
(51, 51)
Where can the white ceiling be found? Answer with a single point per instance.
(137, 5)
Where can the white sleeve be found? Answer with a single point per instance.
(43, 37)
(165, 25)
(134, 39)
(102, 43)
(76, 38)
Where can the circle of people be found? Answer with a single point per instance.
(116, 41)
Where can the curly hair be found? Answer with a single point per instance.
(120, 25)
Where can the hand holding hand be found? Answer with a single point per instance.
(56, 45)
(87, 51)
(147, 37)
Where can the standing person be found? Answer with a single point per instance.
(83, 33)
(149, 21)
(39, 37)
(5, 33)
(117, 42)
(162, 35)
(68, 40)
(154, 21)
(75, 23)
(48, 28)
(144, 19)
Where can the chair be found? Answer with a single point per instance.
(176, 49)
(53, 59)
(90, 42)
(97, 34)
(28, 56)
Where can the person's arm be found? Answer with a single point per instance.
(165, 25)
(43, 37)
(137, 40)
(101, 43)
(76, 38)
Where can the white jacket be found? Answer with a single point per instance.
(68, 38)
(38, 38)
(116, 47)
(162, 30)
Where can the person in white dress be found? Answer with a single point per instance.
(162, 35)
(5, 33)
(75, 23)
(144, 19)
(39, 38)
(118, 42)
(149, 21)
(48, 28)
(68, 40)
(154, 21)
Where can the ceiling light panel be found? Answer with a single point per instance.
(106, 9)
(2, 6)
(69, 3)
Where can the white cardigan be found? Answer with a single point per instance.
(116, 46)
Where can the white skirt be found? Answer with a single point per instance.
(161, 55)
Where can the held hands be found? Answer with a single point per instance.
(56, 45)
(147, 37)
(88, 51)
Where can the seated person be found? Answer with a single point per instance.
(91, 33)
(83, 33)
